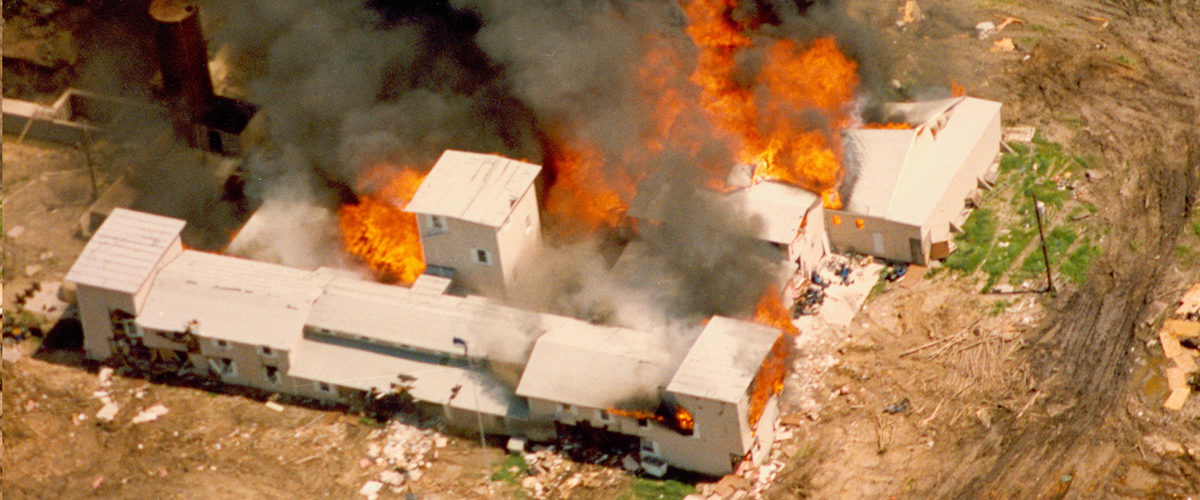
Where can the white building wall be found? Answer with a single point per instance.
(950, 207)
(96, 306)
(456, 246)
(520, 234)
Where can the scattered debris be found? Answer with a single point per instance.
(1003, 45)
(895, 271)
(108, 411)
(985, 29)
(1176, 337)
(516, 444)
(630, 464)
(1007, 21)
(1020, 133)
(16, 231)
(371, 489)
(150, 414)
(274, 406)
(897, 407)
(1102, 22)
(909, 13)
(105, 376)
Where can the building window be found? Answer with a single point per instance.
(435, 224)
(272, 374)
(325, 387)
(565, 408)
(604, 415)
(481, 256)
(643, 422)
(267, 352)
(222, 344)
(224, 367)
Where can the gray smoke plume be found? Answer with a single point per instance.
(348, 85)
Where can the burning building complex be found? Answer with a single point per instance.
(461, 242)
(322, 334)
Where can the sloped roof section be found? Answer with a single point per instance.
(232, 299)
(594, 366)
(475, 187)
(781, 207)
(965, 126)
(365, 370)
(123, 252)
(408, 319)
(876, 157)
(724, 360)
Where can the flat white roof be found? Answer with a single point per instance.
(724, 360)
(366, 370)
(406, 318)
(475, 187)
(595, 366)
(781, 207)
(123, 252)
(232, 299)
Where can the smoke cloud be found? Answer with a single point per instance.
(349, 85)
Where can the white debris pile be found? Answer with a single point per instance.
(109, 409)
(551, 475)
(150, 414)
(406, 452)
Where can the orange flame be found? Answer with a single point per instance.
(769, 380)
(887, 126)
(957, 89)
(583, 193)
(682, 419)
(378, 230)
(764, 119)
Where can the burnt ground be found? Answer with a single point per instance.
(1050, 396)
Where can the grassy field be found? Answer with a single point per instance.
(1000, 238)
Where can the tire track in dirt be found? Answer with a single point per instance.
(1084, 355)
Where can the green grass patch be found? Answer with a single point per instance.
(1077, 263)
(1057, 242)
(1196, 229)
(511, 469)
(654, 489)
(973, 244)
(1002, 256)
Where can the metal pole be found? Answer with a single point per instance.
(475, 387)
(1037, 213)
(87, 155)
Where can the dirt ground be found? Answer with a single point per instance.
(1059, 396)
(1051, 396)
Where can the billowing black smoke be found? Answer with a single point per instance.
(348, 85)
